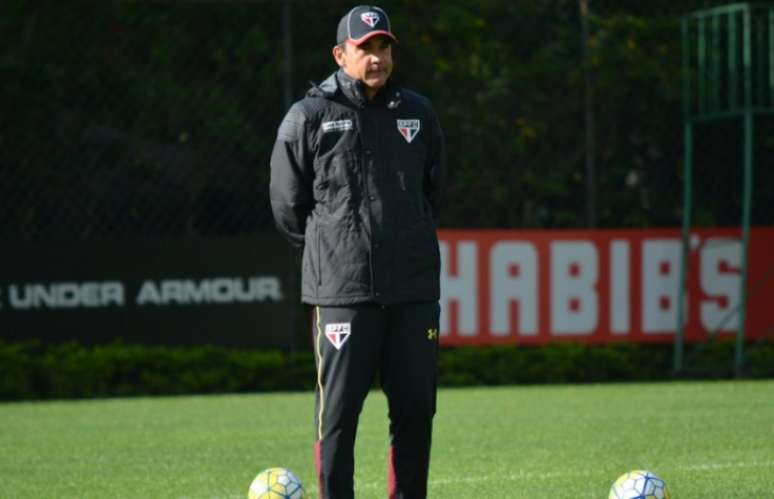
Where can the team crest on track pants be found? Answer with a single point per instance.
(353, 344)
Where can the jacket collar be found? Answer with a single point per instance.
(354, 92)
(351, 88)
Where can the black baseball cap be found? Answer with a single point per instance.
(364, 22)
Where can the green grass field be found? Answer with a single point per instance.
(711, 440)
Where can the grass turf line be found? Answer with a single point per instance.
(706, 439)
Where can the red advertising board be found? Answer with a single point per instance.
(600, 286)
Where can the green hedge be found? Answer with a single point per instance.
(34, 370)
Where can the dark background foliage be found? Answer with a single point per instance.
(142, 119)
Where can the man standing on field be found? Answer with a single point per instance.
(356, 177)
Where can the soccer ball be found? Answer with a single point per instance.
(639, 484)
(276, 483)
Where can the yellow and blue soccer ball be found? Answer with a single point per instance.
(276, 483)
(639, 484)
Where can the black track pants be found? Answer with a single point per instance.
(352, 344)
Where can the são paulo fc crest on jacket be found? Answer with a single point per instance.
(338, 333)
(408, 129)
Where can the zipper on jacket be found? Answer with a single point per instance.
(364, 157)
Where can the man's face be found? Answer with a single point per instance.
(369, 62)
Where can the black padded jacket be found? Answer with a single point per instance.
(357, 184)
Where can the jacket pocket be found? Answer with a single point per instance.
(344, 261)
(335, 173)
(422, 258)
(410, 185)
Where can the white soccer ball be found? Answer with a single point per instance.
(639, 484)
(276, 483)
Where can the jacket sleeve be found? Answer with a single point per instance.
(435, 169)
(292, 174)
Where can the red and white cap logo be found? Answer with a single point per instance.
(370, 18)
